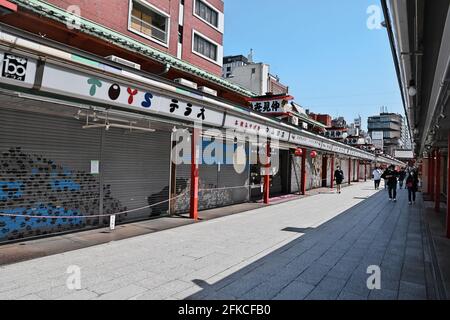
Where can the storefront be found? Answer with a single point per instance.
(82, 140)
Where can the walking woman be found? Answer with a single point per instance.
(412, 183)
(339, 177)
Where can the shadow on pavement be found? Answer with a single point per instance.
(331, 261)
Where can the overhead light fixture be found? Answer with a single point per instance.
(412, 91)
(77, 115)
(95, 118)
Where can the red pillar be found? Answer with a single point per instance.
(195, 137)
(437, 193)
(303, 184)
(448, 188)
(332, 171)
(350, 171)
(267, 175)
(431, 179)
(430, 157)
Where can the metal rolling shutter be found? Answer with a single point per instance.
(136, 170)
(276, 187)
(45, 170)
(296, 173)
(236, 185)
(182, 187)
(220, 185)
(344, 163)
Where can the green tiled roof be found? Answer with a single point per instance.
(89, 27)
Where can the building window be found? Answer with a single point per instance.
(205, 47)
(149, 22)
(207, 13)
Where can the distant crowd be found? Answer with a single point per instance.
(407, 178)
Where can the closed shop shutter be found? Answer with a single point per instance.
(136, 170)
(219, 184)
(276, 187)
(45, 170)
(45, 164)
(344, 163)
(296, 172)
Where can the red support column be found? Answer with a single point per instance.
(437, 194)
(303, 184)
(448, 188)
(267, 175)
(332, 171)
(431, 179)
(350, 171)
(195, 137)
(430, 157)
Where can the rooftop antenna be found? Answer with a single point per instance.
(250, 56)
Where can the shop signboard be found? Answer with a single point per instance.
(60, 80)
(254, 128)
(305, 141)
(17, 70)
(270, 104)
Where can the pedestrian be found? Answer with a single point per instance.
(390, 176)
(377, 177)
(339, 177)
(401, 177)
(412, 183)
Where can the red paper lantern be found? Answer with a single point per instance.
(299, 152)
(313, 154)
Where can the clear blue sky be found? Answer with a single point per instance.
(322, 49)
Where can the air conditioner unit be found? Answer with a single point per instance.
(186, 83)
(208, 91)
(124, 62)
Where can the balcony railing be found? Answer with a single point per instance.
(148, 29)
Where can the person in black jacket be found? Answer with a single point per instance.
(339, 177)
(412, 183)
(390, 176)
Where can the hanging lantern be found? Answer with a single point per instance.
(313, 154)
(299, 152)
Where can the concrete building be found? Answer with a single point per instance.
(391, 124)
(255, 77)
(232, 62)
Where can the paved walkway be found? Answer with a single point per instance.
(314, 248)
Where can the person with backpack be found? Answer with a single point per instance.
(412, 183)
(339, 178)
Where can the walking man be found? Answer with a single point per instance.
(377, 178)
(339, 177)
(390, 176)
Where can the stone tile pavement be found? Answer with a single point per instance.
(315, 248)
